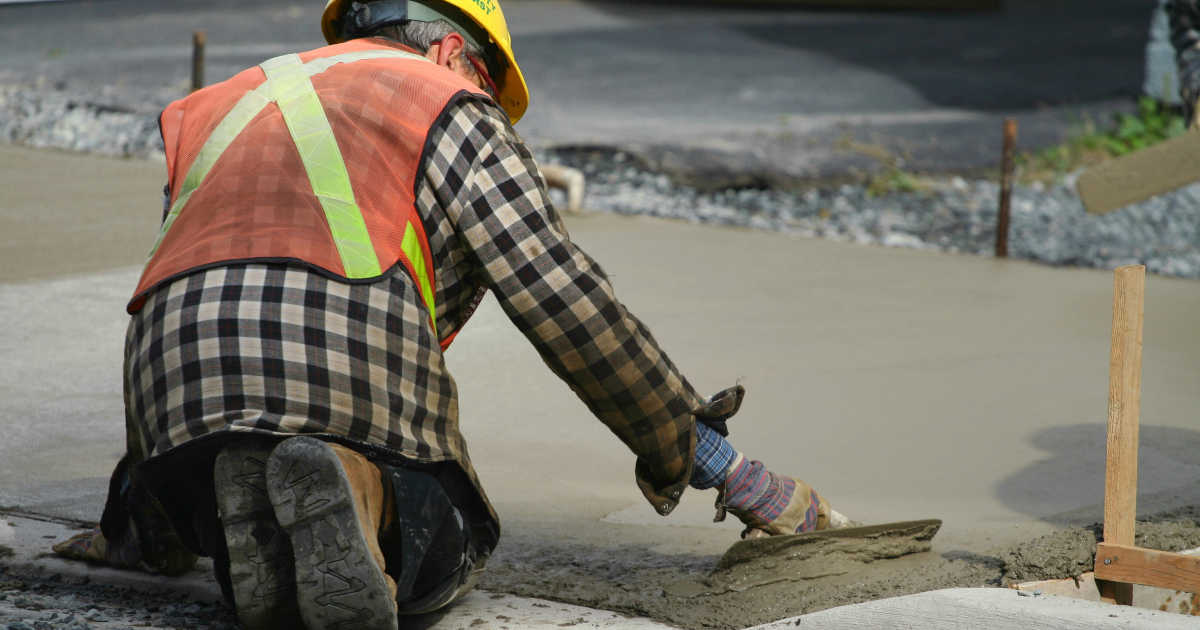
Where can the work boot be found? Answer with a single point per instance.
(775, 505)
(330, 502)
(261, 567)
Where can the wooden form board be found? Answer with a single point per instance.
(1140, 175)
(1119, 564)
(1134, 565)
(1086, 587)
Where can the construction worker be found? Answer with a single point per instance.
(332, 219)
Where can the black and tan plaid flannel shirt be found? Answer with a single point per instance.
(279, 348)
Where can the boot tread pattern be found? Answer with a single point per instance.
(261, 568)
(338, 584)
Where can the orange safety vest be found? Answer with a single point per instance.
(309, 158)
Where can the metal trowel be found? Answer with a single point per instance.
(866, 543)
(759, 562)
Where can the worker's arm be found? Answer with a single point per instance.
(489, 185)
(1184, 16)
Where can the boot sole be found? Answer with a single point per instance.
(261, 568)
(338, 584)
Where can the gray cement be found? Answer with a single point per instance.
(901, 384)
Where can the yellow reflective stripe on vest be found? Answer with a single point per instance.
(305, 118)
(288, 86)
(411, 247)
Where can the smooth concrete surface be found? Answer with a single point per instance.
(990, 608)
(902, 384)
(64, 213)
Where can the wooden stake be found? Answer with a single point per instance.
(198, 41)
(1006, 175)
(1172, 571)
(1124, 391)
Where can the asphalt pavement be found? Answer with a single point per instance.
(705, 91)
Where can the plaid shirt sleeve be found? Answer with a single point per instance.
(492, 191)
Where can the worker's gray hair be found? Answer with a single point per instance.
(421, 35)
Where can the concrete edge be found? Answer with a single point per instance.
(992, 608)
(30, 538)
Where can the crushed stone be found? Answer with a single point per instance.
(106, 121)
(950, 214)
(40, 602)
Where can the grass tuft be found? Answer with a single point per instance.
(1088, 146)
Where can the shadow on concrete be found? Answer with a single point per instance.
(1067, 486)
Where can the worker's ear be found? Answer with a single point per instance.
(450, 51)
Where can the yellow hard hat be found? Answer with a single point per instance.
(479, 21)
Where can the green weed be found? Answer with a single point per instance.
(1153, 122)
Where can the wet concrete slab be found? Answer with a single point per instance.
(902, 384)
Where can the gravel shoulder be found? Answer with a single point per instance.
(943, 213)
(950, 214)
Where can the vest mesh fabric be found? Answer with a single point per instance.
(257, 202)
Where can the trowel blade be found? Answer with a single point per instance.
(889, 540)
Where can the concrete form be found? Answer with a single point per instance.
(990, 608)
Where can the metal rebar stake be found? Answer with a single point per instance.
(1006, 176)
(198, 40)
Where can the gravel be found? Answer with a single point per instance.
(38, 602)
(108, 121)
(948, 214)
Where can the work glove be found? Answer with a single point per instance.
(774, 505)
